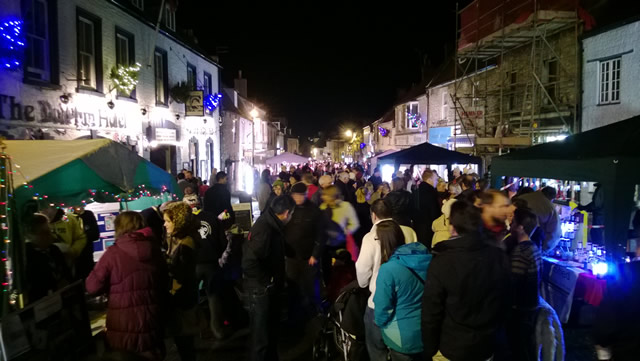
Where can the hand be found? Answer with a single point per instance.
(313, 261)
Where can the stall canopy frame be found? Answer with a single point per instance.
(427, 153)
(609, 155)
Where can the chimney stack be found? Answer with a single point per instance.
(240, 84)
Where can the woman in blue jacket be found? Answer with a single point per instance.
(398, 298)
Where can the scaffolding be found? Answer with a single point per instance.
(517, 72)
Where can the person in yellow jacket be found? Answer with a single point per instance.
(440, 227)
(68, 231)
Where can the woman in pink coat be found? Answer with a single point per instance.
(133, 274)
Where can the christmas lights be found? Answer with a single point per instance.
(383, 131)
(211, 101)
(125, 78)
(11, 44)
(415, 120)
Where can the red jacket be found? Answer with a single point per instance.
(311, 190)
(133, 274)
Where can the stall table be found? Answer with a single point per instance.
(565, 281)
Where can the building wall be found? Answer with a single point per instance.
(127, 124)
(621, 40)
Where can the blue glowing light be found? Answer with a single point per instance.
(212, 101)
(11, 44)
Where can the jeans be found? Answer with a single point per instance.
(373, 338)
(263, 304)
(398, 356)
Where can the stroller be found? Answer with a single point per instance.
(342, 334)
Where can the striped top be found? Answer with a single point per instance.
(526, 264)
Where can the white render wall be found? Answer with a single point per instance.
(616, 41)
(144, 35)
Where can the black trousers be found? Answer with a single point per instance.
(264, 305)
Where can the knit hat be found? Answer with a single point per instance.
(278, 183)
(299, 188)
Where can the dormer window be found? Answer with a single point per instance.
(138, 3)
(170, 18)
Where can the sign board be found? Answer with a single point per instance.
(165, 135)
(244, 217)
(439, 135)
(472, 119)
(194, 105)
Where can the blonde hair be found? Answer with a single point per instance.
(127, 222)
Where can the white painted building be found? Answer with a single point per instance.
(63, 89)
(610, 75)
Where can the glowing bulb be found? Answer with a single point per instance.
(600, 269)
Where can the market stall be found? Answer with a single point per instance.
(608, 156)
(74, 174)
(429, 154)
(286, 158)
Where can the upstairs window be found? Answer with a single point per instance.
(207, 83)
(191, 76)
(169, 18)
(37, 62)
(413, 116)
(125, 49)
(161, 77)
(609, 81)
(89, 51)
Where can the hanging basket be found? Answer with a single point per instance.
(180, 92)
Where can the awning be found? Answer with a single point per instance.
(75, 172)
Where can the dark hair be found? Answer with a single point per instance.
(526, 218)
(220, 176)
(466, 181)
(265, 176)
(181, 176)
(524, 190)
(390, 236)
(282, 204)
(381, 209)
(127, 222)
(295, 176)
(549, 192)
(465, 218)
(397, 184)
(483, 184)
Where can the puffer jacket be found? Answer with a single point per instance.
(440, 226)
(398, 297)
(133, 274)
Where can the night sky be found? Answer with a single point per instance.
(326, 66)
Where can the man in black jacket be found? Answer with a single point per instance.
(401, 202)
(263, 265)
(208, 269)
(305, 239)
(428, 207)
(217, 199)
(466, 294)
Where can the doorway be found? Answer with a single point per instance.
(164, 156)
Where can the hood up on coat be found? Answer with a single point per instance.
(137, 244)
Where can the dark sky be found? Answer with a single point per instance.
(327, 65)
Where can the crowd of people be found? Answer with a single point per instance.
(453, 270)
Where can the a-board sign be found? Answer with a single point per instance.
(244, 217)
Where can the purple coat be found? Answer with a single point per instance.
(133, 274)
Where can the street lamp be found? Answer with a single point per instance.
(348, 133)
(254, 113)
